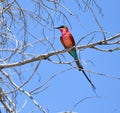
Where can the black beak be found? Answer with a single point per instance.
(56, 27)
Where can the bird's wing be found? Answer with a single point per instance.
(72, 40)
(61, 39)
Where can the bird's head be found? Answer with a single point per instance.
(62, 28)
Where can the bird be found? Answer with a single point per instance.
(68, 41)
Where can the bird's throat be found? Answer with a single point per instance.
(64, 32)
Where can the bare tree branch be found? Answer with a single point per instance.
(24, 29)
(46, 56)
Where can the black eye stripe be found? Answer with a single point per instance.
(62, 26)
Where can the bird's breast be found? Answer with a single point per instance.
(67, 41)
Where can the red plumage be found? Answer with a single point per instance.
(68, 41)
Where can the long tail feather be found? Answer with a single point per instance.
(81, 69)
(89, 80)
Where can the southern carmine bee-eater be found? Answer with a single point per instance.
(67, 41)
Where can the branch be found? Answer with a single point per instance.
(6, 102)
(25, 92)
(80, 101)
(96, 20)
(46, 56)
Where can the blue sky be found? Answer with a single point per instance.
(69, 86)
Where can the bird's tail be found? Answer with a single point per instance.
(81, 69)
